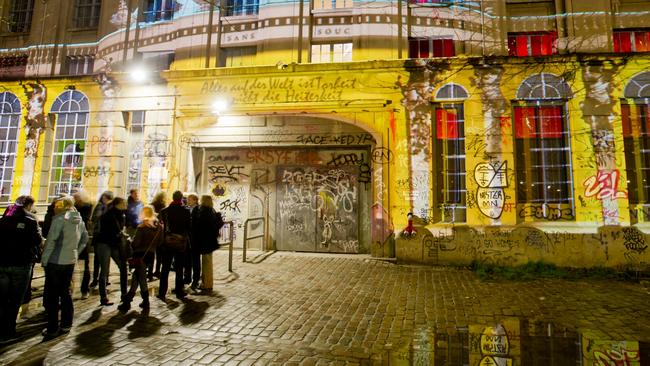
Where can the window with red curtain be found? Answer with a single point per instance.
(542, 154)
(636, 141)
(626, 41)
(428, 48)
(449, 154)
(532, 44)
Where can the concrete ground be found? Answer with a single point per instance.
(306, 309)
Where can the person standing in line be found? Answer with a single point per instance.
(49, 214)
(22, 242)
(133, 210)
(83, 205)
(176, 219)
(192, 266)
(206, 223)
(108, 246)
(67, 237)
(95, 224)
(148, 236)
(159, 202)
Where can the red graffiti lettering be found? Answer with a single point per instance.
(604, 185)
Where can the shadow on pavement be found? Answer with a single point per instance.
(193, 311)
(27, 329)
(94, 316)
(144, 326)
(96, 342)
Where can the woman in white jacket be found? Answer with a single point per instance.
(65, 240)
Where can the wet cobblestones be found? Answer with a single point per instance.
(309, 309)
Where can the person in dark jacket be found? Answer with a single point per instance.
(176, 219)
(107, 246)
(191, 266)
(206, 223)
(94, 226)
(83, 205)
(21, 237)
(49, 214)
(148, 236)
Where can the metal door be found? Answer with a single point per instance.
(318, 209)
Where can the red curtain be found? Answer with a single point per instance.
(446, 124)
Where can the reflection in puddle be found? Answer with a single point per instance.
(514, 342)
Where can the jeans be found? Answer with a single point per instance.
(58, 278)
(105, 252)
(95, 265)
(13, 284)
(179, 261)
(85, 280)
(195, 257)
(139, 278)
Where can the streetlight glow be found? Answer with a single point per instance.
(219, 106)
(139, 74)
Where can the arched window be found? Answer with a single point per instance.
(542, 147)
(635, 116)
(449, 152)
(452, 91)
(9, 126)
(72, 110)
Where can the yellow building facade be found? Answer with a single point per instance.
(322, 129)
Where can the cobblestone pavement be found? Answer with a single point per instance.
(324, 309)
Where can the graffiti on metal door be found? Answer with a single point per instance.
(318, 209)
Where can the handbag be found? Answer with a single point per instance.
(173, 242)
(138, 261)
(125, 249)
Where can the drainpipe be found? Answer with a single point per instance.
(301, 13)
(399, 29)
(217, 52)
(208, 46)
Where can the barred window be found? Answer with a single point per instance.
(331, 52)
(80, 65)
(87, 13)
(449, 152)
(532, 44)
(626, 41)
(542, 146)
(9, 127)
(242, 7)
(72, 110)
(21, 16)
(157, 10)
(429, 48)
(136, 150)
(635, 113)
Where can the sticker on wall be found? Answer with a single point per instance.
(491, 178)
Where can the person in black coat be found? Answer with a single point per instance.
(107, 246)
(176, 219)
(21, 238)
(206, 223)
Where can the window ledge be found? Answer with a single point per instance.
(84, 29)
(240, 17)
(332, 11)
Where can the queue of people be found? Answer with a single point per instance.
(138, 238)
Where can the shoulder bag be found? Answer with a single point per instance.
(173, 242)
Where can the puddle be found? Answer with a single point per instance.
(515, 342)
